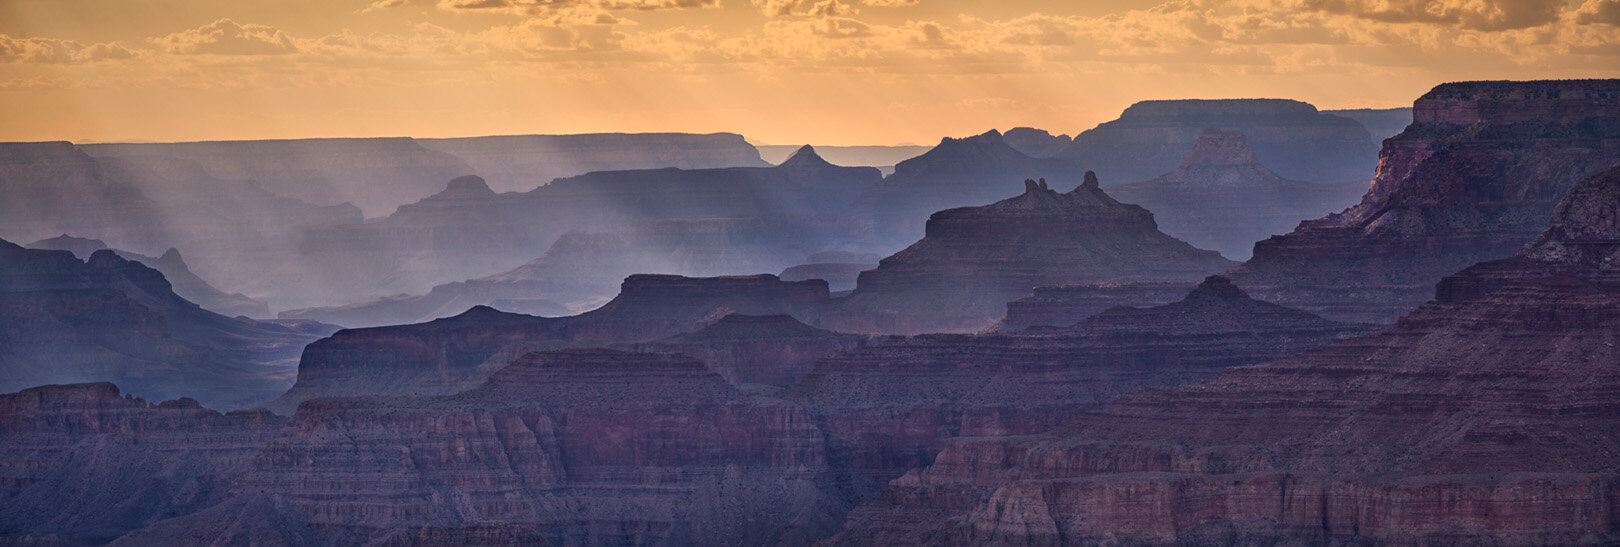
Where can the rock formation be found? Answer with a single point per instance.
(472, 232)
(973, 260)
(83, 465)
(586, 446)
(1064, 305)
(1222, 198)
(185, 283)
(768, 350)
(445, 355)
(1381, 123)
(889, 407)
(838, 269)
(110, 319)
(1036, 143)
(1290, 137)
(956, 173)
(1472, 179)
(517, 163)
(1483, 417)
(583, 270)
(882, 157)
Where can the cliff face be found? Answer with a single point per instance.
(973, 260)
(587, 446)
(518, 163)
(1472, 179)
(1291, 137)
(956, 173)
(891, 406)
(1485, 416)
(771, 350)
(108, 318)
(1222, 198)
(441, 356)
(185, 283)
(1064, 305)
(85, 465)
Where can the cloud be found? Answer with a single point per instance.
(804, 8)
(226, 37)
(889, 3)
(53, 51)
(533, 7)
(1468, 14)
(1605, 12)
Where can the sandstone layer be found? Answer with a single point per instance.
(973, 260)
(1472, 179)
(1484, 417)
(84, 465)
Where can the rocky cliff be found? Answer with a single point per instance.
(110, 319)
(186, 284)
(587, 446)
(84, 465)
(444, 355)
(516, 163)
(1036, 143)
(956, 173)
(890, 406)
(1064, 305)
(973, 260)
(1290, 137)
(768, 350)
(1483, 417)
(1221, 197)
(1472, 179)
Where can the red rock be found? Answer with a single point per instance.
(1486, 416)
(974, 260)
(588, 446)
(83, 464)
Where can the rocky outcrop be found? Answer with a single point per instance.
(1381, 123)
(1472, 179)
(445, 355)
(1222, 198)
(83, 464)
(587, 446)
(889, 407)
(973, 260)
(1036, 143)
(582, 270)
(768, 350)
(516, 163)
(1065, 305)
(185, 283)
(881, 157)
(956, 173)
(473, 232)
(1290, 137)
(838, 269)
(376, 174)
(1483, 417)
(110, 319)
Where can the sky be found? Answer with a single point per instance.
(778, 71)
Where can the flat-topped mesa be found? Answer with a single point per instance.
(1035, 143)
(1446, 196)
(1220, 197)
(83, 464)
(440, 356)
(1292, 137)
(586, 446)
(1482, 417)
(771, 350)
(973, 260)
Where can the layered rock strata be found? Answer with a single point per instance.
(1472, 179)
(1483, 417)
(973, 260)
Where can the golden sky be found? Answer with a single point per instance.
(778, 71)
